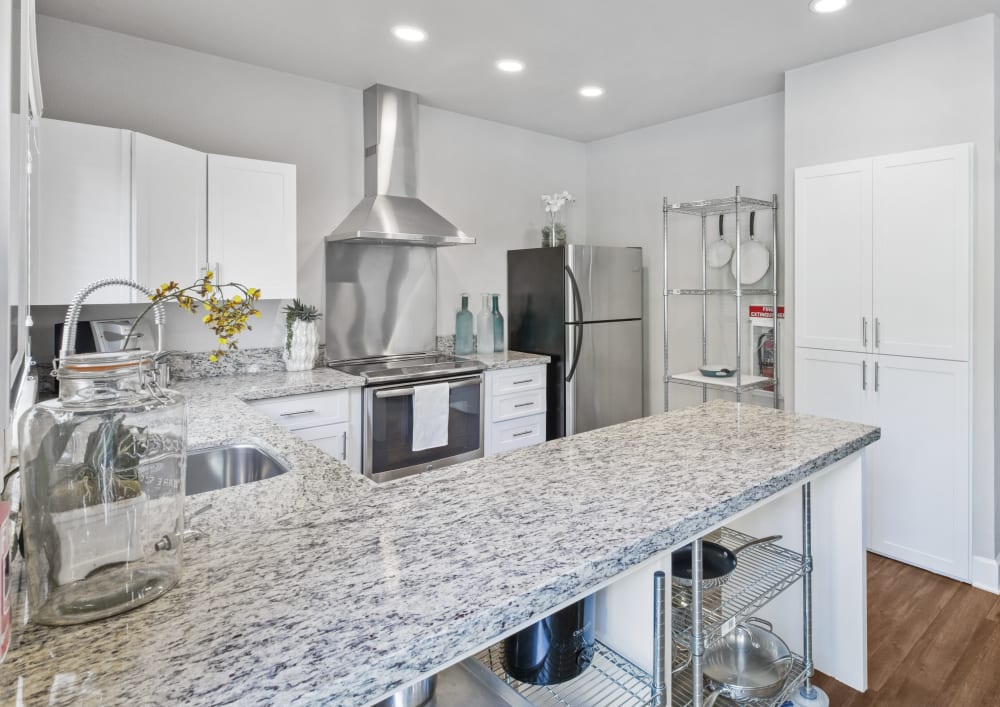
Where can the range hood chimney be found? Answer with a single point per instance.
(391, 212)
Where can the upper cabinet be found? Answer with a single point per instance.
(170, 190)
(83, 187)
(251, 224)
(113, 203)
(882, 254)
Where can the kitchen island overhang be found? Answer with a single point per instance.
(370, 589)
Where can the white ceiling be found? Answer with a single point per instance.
(657, 59)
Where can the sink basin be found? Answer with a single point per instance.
(221, 467)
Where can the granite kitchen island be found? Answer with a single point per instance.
(319, 587)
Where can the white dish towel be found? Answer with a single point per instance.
(430, 415)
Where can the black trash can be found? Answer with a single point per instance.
(556, 649)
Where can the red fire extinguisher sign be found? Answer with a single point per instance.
(765, 311)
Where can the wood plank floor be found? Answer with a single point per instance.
(932, 642)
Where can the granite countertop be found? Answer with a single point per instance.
(320, 587)
(509, 359)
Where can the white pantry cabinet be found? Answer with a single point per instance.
(882, 254)
(169, 192)
(919, 508)
(113, 203)
(251, 224)
(515, 409)
(83, 186)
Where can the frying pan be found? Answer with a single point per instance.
(718, 562)
(754, 256)
(719, 252)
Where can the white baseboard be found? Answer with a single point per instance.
(986, 573)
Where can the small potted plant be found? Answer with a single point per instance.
(301, 337)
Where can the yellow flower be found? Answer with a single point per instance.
(213, 358)
(256, 314)
(209, 275)
(207, 318)
(222, 341)
(207, 288)
(237, 299)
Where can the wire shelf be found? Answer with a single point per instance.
(729, 291)
(762, 573)
(695, 378)
(714, 207)
(683, 696)
(610, 681)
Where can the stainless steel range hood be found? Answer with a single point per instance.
(391, 212)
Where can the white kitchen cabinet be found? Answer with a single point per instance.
(169, 191)
(329, 420)
(833, 252)
(83, 186)
(918, 474)
(882, 254)
(251, 224)
(515, 409)
(922, 234)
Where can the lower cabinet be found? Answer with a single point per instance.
(515, 409)
(918, 475)
(330, 421)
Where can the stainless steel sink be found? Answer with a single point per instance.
(221, 467)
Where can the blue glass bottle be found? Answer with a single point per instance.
(498, 343)
(463, 328)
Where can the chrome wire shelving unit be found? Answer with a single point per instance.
(743, 381)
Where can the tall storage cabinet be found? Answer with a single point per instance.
(882, 336)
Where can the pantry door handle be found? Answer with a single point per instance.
(876, 376)
(878, 333)
(864, 331)
(864, 375)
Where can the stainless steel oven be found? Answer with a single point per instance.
(388, 428)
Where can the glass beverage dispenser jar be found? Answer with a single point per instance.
(103, 481)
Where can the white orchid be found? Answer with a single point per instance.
(555, 202)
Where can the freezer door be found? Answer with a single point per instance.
(605, 281)
(607, 384)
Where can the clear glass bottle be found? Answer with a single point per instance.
(463, 328)
(484, 327)
(102, 473)
(498, 342)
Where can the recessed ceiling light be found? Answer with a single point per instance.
(591, 91)
(511, 66)
(409, 34)
(824, 7)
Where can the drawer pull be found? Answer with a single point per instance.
(524, 405)
(522, 382)
(522, 434)
(297, 412)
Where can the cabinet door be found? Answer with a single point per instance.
(922, 233)
(833, 384)
(919, 508)
(169, 201)
(251, 223)
(833, 265)
(83, 182)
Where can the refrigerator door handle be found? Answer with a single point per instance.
(578, 333)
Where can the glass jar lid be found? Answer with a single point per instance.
(104, 365)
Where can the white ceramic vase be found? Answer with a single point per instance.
(301, 354)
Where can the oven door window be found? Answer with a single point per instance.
(392, 430)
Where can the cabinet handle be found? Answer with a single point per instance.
(522, 434)
(343, 449)
(522, 382)
(878, 334)
(864, 331)
(864, 375)
(297, 412)
(876, 376)
(524, 405)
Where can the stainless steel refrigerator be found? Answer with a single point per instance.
(581, 305)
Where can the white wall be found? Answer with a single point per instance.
(698, 157)
(932, 89)
(484, 176)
